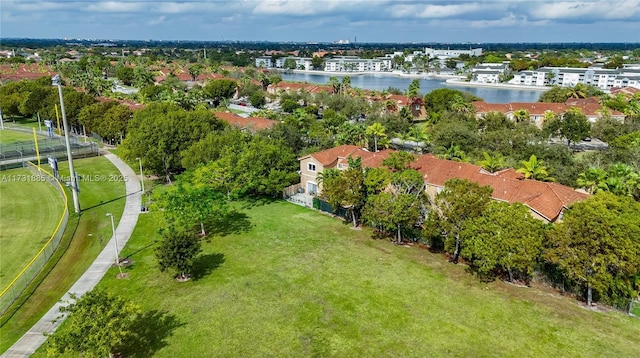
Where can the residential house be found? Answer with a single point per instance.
(297, 87)
(17, 72)
(590, 107)
(335, 158)
(249, 124)
(546, 200)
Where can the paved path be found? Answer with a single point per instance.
(34, 338)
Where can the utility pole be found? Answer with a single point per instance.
(74, 180)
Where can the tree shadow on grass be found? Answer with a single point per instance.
(206, 264)
(234, 222)
(150, 331)
(249, 202)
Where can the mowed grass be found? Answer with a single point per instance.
(30, 210)
(84, 238)
(8, 136)
(286, 281)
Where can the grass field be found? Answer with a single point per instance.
(30, 209)
(85, 237)
(8, 136)
(285, 281)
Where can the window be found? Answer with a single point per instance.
(311, 167)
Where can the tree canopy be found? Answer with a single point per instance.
(98, 324)
(597, 246)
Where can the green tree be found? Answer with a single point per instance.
(220, 88)
(125, 74)
(492, 162)
(399, 161)
(454, 153)
(440, 100)
(98, 324)
(593, 180)
(521, 115)
(187, 205)
(459, 201)
(290, 64)
(376, 180)
(195, 70)
(505, 238)
(346, 189)
(597, 246)
(335, 84)
(113, 124)
(317, 63)
(377, 131)
(414, 88)
(289, 105)
(159, 132)
(534, 168)
(257, 99)
(391, 212)
(573, 126)
(178, 250)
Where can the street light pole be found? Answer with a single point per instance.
(74, 182)
(115, 241)
(141, 176)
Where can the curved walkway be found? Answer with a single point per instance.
(35, 337)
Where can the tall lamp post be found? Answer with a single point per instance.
(55, 81)
(115, 241)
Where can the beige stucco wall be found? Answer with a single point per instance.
(307, 175)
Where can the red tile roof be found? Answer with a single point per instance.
(588, 107)
(329, 156)
(293, 86)
(250, 123)
(17, 72)
(546, 199)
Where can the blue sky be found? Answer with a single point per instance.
(326, 20)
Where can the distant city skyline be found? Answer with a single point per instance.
(390, 21)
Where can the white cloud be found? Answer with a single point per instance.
(157, 21)
(114, 6)
(604, 10)
(435, 11)
(310, 8)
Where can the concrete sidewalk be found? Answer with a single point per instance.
(34, 338)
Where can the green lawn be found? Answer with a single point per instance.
(84, 238)
(286, 281)
(8, 136)
(30, 210)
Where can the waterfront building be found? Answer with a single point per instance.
(448, 53)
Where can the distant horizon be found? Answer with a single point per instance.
(318, 42)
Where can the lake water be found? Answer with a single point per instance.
(381, 82)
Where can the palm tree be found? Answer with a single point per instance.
(534, 169)
(577, 91)
(460, 106)
(454, 153)
(376, 130)
(492, 163)
(521, 115)
(593, 180)
(335, 84)
(346, 83)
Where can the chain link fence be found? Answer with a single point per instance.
(17, 285)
